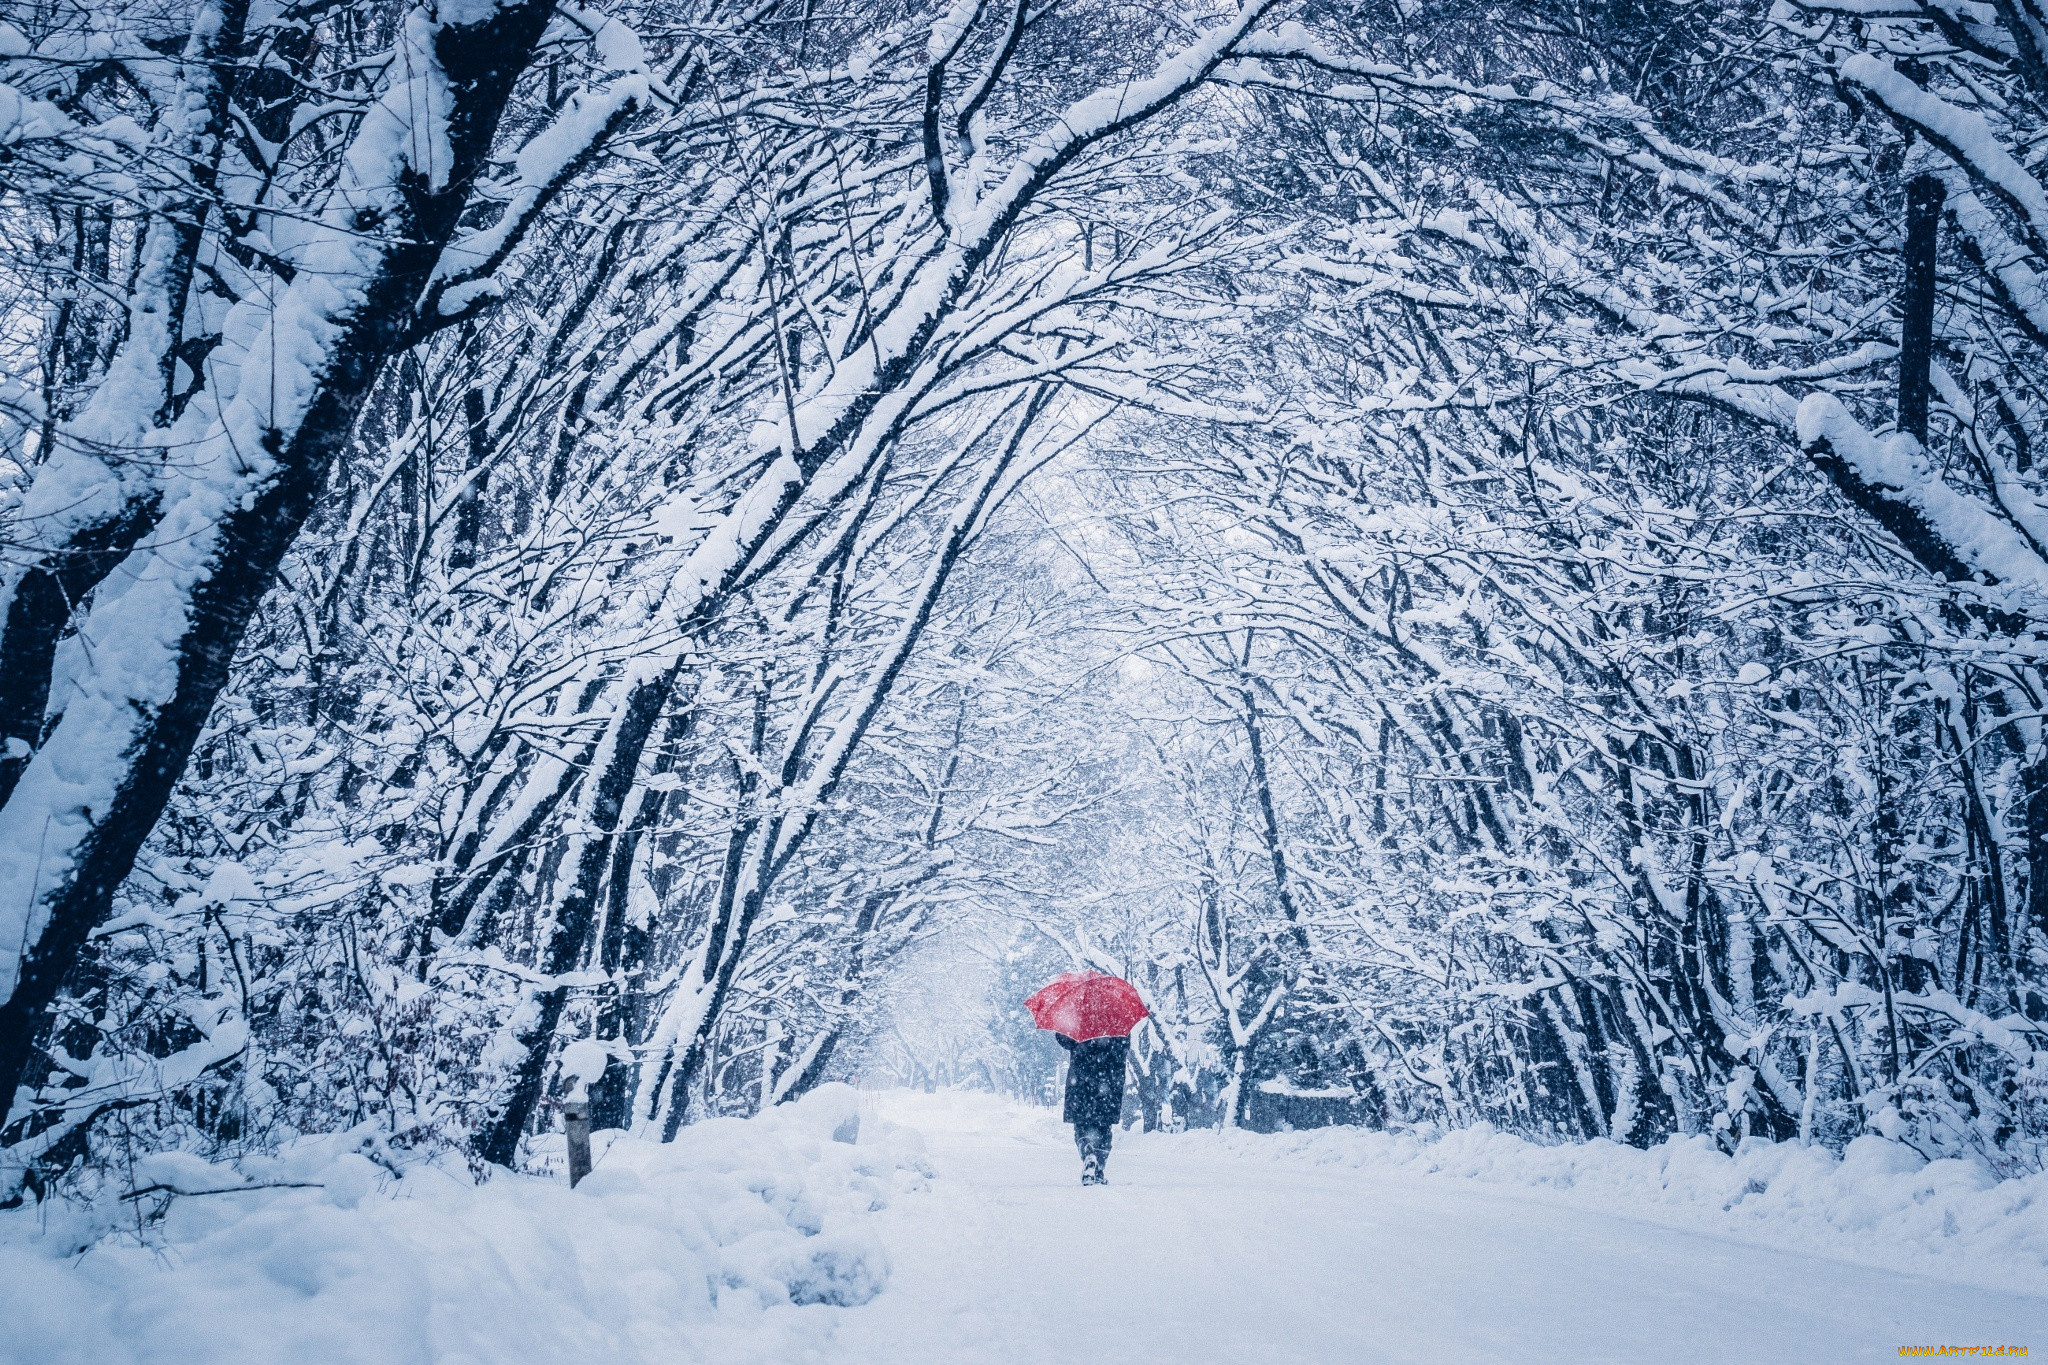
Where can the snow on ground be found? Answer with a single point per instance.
(730, 1245)
(770, 1241)
(1880, 1204)
(1307, 1248)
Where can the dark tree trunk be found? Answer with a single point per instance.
(497, 1141)
(1916, 304)
(469, 503)
(36, 617)
(482, 62)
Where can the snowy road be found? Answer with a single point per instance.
(1194, 1256)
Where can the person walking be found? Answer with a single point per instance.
(1095, 1098)
(1091, 1014)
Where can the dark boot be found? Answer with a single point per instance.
(1094, 1145)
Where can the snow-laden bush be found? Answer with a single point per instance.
(727, 1241)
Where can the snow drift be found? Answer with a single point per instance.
(729, 1244)
(1880, 1203)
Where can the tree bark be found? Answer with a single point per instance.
(1916, 304)
(482, 61)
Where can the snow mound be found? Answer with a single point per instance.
(733, 1243)
(1880, 1203)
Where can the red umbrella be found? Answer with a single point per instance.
(1086, 1005)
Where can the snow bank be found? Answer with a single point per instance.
(731, 1244)
(1879, 1204)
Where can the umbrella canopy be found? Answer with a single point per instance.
(1086, 1005)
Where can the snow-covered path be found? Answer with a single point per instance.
(1192, 1255)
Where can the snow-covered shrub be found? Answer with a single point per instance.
(333, 1250)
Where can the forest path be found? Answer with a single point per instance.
(1196, 1257)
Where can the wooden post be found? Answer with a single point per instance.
(576, 1122)
(1916, 304)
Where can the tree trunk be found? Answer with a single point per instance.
(1916, 304)
(239, 553)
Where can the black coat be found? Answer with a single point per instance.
(1095, 1081)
